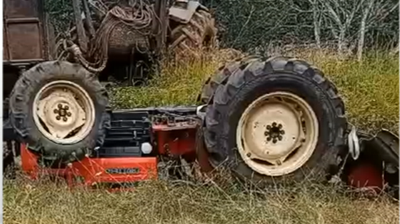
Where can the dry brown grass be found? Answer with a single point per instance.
(371, 94)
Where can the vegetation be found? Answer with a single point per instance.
(371, 93)
(370, 88)
(159, 202)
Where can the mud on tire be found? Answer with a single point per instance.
(22, 111)
(236, 86)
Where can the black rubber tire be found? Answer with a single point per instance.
(251, 78)
(219, 78)
(199, 32)
(21, 104)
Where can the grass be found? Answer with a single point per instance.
(371, 94)
(370, 89)
(159, 202)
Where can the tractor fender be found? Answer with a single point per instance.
(183, 15)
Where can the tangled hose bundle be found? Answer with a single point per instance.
(138, 16)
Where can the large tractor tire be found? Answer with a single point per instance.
(273, 122)
(199, 33)
(60, 110)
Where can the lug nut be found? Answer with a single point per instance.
(60, 106)
(55, 111)
(69, 114)
(58, 117)
(66, 107)
(65, 119)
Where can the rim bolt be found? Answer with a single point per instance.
(274, 124)
(274, 141)
(58, 118)
(65, 119)
(282, 132)
(66, 107)
(269, 127)
(60, 106)
(69, 114)
(55, 111)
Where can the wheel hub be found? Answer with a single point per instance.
(274, 132)
(277, 133)
(63, 112)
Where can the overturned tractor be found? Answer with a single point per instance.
(268, 122)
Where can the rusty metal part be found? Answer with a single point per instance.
(82, 38)
(25, 32)
(88, 18)
(159, 26)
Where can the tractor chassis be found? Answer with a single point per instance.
(139, 139)
(169, 132)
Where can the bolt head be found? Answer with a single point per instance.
(55, 111)
(274, 141)
(60, 106)
(274, 124)
(65, 119)
(280, 126)
(69, 114)
(66, 107)
(58, 118)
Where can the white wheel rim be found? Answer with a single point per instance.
(63, 112)
(277, 134)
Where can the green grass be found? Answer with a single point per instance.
(371, 94)
(370, 90)
(159, 202)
